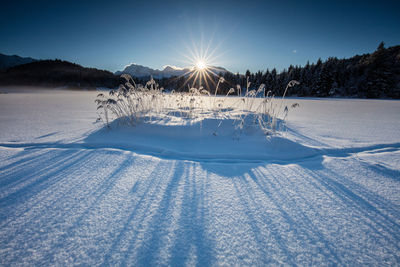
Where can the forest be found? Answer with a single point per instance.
(375, 75)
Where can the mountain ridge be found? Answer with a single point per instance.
(140, 71)
(8, 61)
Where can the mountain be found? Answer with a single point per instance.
(58, 73)
(11, 61)
(140, 71)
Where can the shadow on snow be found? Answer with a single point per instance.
(120, 208)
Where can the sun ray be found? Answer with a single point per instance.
(195, 78)
(210, 79)
(209, 46)
(206, 82)
(201, 58)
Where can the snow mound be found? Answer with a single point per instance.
(205, 139)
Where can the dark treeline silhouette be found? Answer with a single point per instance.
(58, 73)
(375, 75)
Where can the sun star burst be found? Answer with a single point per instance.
(201, 59)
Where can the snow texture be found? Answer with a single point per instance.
(326, 192)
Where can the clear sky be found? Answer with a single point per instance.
(253, 35)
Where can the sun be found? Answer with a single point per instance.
(201, 65)
(201, 58)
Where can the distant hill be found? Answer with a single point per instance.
(140, 71)
(11, 61)
(58, 73)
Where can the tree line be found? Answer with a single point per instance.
(375, 75)
(58, 73)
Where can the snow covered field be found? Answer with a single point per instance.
(327, 192)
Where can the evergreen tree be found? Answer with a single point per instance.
(381, 46)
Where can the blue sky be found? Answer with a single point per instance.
(253, 35)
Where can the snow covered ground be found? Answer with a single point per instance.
(327, 192)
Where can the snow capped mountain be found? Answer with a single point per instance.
(136, 70)
(169, 71)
